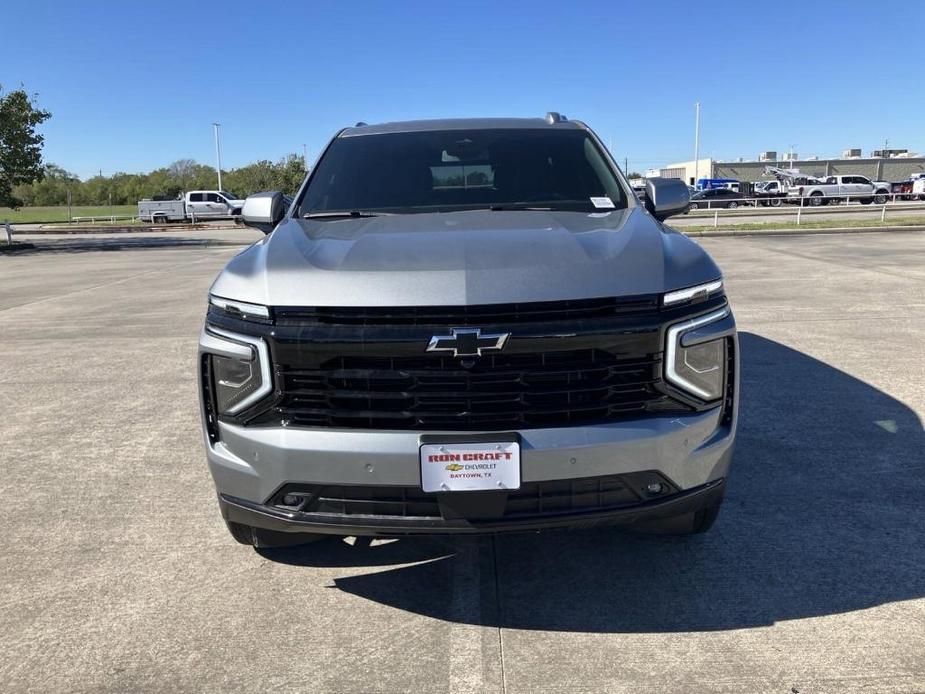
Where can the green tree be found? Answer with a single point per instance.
(52, 189)
(168, 182)
(20, 145)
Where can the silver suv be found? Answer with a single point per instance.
(467, 326)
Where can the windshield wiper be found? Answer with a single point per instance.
(334, 214)
(520, 206)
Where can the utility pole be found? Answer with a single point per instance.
(696, 142)
(218, 153)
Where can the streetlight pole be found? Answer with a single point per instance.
(696, 142)
(218, 153)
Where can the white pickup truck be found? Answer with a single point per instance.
(196, 204)
(918, 188)
(837, 188)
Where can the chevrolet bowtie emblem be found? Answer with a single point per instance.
(467, 342)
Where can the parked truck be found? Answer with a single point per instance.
(196, 204)
(918, 188)
(838, 188)
(769, 193)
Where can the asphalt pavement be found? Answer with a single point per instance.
(119, 575)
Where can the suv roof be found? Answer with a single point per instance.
(459, 124)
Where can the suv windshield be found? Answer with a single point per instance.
(450, 170)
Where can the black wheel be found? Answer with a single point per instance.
(775, 202)
(816, 200)
(732, 205)
(880, 198)
(866, 201)
(260, 538)
(692, 523)
(694, 206)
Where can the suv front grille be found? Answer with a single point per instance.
(567, 363)
(495, 392)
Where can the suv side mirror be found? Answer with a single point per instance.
(263, 210)
(666, 197)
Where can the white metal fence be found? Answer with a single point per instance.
(112, 218)
(799, 208)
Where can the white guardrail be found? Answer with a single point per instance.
(102, 218)
(802, 206)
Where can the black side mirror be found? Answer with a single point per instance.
(666, 197)
(264, 210)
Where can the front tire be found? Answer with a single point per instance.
(732, 205)
(694, 206)
(775, 202)
(816, 200)
(268, 539)
(880, 198)
(692, 523)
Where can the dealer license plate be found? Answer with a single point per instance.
(467, 467)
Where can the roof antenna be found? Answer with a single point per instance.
(360, 124)
(554, 117)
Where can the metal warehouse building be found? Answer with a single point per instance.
(874, 168)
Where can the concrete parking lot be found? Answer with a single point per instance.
(119, 575)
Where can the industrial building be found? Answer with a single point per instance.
(898, 166)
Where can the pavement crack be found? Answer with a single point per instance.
(499, 608)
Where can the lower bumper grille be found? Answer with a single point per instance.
(533, 499)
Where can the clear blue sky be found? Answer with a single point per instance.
(133, 87)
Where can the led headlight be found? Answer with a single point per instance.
(240, 368)
(700, 368)
(240, 308)
(692, 293)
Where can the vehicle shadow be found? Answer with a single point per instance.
(822, 516)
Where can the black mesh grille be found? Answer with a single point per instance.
(496, 392)
(566, 363)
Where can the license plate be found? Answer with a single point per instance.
(468, 467)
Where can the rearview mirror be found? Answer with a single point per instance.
(264, 210)
(666, 197)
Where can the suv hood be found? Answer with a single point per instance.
(460, 258)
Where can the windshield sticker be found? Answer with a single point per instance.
(603, 203)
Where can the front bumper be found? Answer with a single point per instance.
(251, 464)
(271, 518)
(691, 452)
